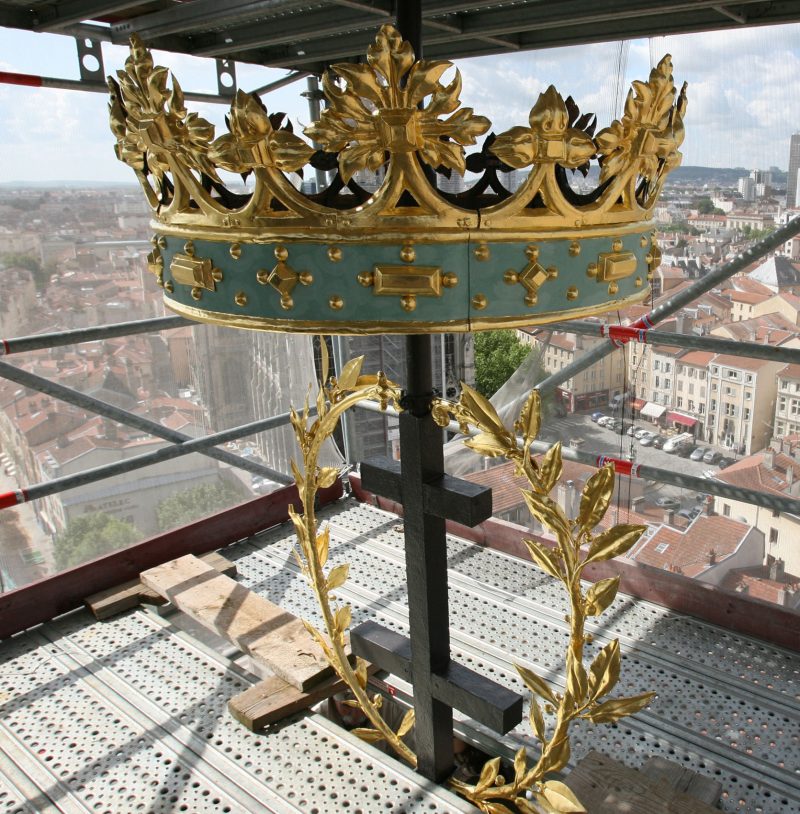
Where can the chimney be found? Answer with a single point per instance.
(669, 516)
(769, 459)
(776, 570)
(789, 475)
(712, 557)
(637, 502)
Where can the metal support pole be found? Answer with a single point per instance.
(712, 344)
(314, 95)
(59, 391)
(203, 444)
(675, 303)
(56, 339)
(709, 486)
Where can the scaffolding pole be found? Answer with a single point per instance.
(712, 344)
(21, 344)
(111, 470)
(624, 467)
(675, 303)
(67, 394)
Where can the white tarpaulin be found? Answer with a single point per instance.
(651, 410)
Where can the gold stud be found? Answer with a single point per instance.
(305, 278)
(216, 275)
(643, 241)
(574, 248)
(532, 252)
(613, 288)
(240, 298)
(481, 252)
(336, 302)
(408, 302)
(262, 275)
(591, 270)
(616, 246)
(287, 302)
(366, 278)
(638, 282)
(407, 253)
(531, 299)
(162, 242)
(572, 293)
(479, 302)
(197, 293)
(235, 251)
(281, 253)
(511, 277)
(648, 258)
(449, 280)
(334, 254)
(188, 248)
(168, 287)
(552, 272)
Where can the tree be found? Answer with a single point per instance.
(197, 502)
(91, 536)
(497, 355)
(41, 277)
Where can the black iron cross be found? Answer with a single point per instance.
(440, 684)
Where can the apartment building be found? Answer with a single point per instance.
(787, 403)
(741, 402)
(691, 391)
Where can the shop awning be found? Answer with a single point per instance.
(637, 404)
(653, 410)
(680, 418)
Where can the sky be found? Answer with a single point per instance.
(744, 96)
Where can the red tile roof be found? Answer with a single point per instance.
(752, 472)
(749, 297)
(790, 372)
(755, 582)
(739, 362)
(697, 358)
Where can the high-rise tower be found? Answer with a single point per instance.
(794, 167)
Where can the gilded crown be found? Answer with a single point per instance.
(408, 257)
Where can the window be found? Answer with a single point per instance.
(680, 384)
(726, 510)
(702, 375)
(733, 374)
(748, 395)
(782, 404)
(691, 389)
(746, 413)
(748, 378)
(667, 367)
(661, 548)
(656, 365)
(714, 386)
(715, 370)
(680, 401)
(658, 382)
(667, 383)
(728, 391)
(773, 535)
(713, 404)
(702, 408)
(776, 513)
(780, 429)
(691, 405)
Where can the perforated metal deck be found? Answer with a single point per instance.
(129, 715)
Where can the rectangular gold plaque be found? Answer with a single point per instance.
(193, 271)
(615, 266)
(424, 281)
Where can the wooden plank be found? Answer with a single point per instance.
(131, 594)
(683, 779)
(273, 699)
(51, 596)
(605, 786)
(269, 634)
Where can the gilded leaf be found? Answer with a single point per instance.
(342, 618)
(323, 542)
(377, 700)
(595, 498)
(616, 708)
(289, 152)
(361, 673)
(490, 445)
(338, 576)
(350, 373)
(604, 672)
(536, 717)
(543, 558)
(527, 807)
(530, 417)
(520, 763)
(320, 640)
(516, 147)
(536, 684)
(558, 756)
(327, 476)
(577, 681)
(367, 734)
(482, 411)
(406, 723)
(488, 774)
(423, 79)
(561, 798)
(601, 595)
(613, 542)
(548, 513)
(550, 467)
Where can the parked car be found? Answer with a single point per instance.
(712, 457)
(659, 441)
(677, 441)
(632, 430)
(605, 421)
(722, 463)
(697, 454)
(668, 503)
(685, 450)
(647, 439)
(597, 416)
(620, 427)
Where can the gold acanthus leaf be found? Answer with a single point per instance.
(548, 139)
(650, 131)
(376, 112)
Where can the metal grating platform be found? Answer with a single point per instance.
(129, 715)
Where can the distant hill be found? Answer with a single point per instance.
(725, 176)
(65, 184)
